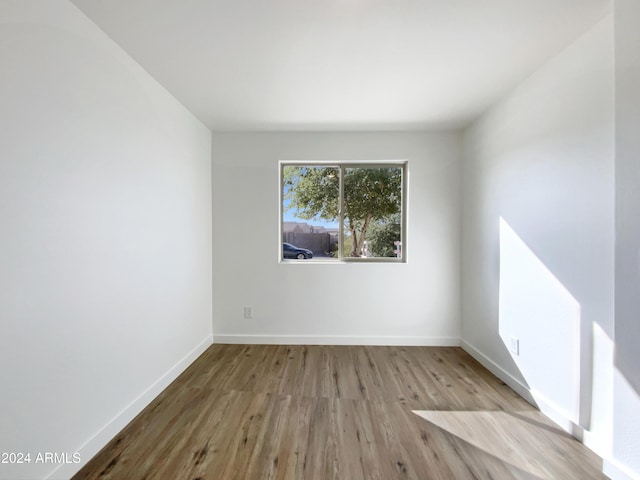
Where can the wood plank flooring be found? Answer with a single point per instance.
(337, 412)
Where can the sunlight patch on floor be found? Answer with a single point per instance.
(524, 439)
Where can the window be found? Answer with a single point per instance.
(343, 211)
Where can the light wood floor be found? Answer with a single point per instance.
(314, 412)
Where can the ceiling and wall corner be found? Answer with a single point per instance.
(541, 163)
(348, 65)
(105, 242)
(360, 66)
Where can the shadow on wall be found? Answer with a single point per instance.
(540, 324)
(626, 352)
(630, 371)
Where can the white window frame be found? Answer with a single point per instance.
(341, 166)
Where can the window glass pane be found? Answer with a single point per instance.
(372, 214)
(310, 211)
(342, 211)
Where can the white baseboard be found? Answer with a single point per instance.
(519, 387)
(532, 396)
(610, 468)
(106, 433)
(616, 471)
(337, 340)
(558, 415)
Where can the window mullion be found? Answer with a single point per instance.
(340, 213)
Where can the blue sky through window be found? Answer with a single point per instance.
(290, 215)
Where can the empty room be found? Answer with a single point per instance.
(336, 239)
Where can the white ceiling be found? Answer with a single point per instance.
(341, 64)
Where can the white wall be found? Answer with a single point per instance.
(542, 161)
(413, 303)
(626, 433)
(105, 253)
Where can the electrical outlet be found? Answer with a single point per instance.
(248, 312)
(515, 346)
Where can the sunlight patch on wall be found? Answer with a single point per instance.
(540, 326)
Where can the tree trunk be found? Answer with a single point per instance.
(356, 249)
(354, 236)
(363, 233)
